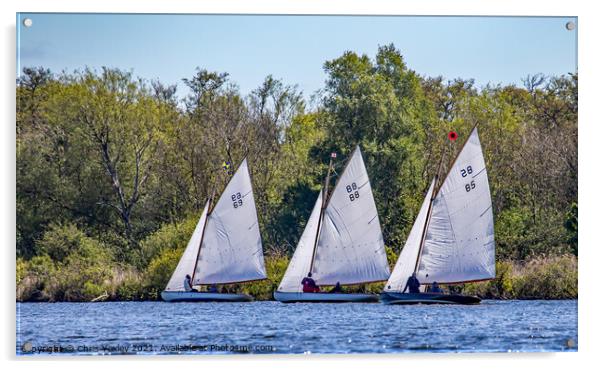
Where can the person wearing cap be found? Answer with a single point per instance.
(309, 285)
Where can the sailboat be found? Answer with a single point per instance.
(452, 238)
(225, 246)
(341, 243)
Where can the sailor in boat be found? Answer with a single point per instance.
(188, 284)
(336, 289)
(213, 289)
(435, 288)
(309, 285)
(413, 284)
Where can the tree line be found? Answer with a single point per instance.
(114, 170)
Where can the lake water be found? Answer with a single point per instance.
(273, 327)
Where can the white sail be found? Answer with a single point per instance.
(409, 254)
(231, 250)
(188, 259)
(350, 246)
(459, 244)
(301, 261)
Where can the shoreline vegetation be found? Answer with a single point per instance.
(549, 278)
(113, 171)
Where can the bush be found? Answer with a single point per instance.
(160, 270)
(548, 278)
(264, 290)
(84, 275)
(32, 278)
(130, 288)
(552, 277)
(169, 236)
(21, 270)
(92, 290)
(502, 287)
(74, 267)
(570, 224)
(60, 241)
(521, 234)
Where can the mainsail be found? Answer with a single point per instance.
(458, 241)
(459, 245)
(349, 248)
(231, 250)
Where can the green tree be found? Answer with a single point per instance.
(381, 106)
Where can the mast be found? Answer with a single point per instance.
(428, 216)
(457, 154)
(198, 253)
(322, 207)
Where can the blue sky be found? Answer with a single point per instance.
(293, 48)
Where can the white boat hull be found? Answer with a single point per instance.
(318, 297)
(182, 296)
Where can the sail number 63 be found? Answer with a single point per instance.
(352, 191)
(236, 200)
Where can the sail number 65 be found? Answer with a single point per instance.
(352, 191)
(470, 186)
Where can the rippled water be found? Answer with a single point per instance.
(273, 327)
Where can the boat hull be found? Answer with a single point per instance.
(396, 298)
(324, 297)
(182, 296)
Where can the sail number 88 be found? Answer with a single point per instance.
(236, 200)
(352, 191)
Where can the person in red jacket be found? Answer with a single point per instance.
(309, 285)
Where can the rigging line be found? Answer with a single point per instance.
(430, 209)
(481, 171)
(198, 254)
(483, 213)
(325, 202)
(336, 183)
(363, 185)
(456, 158)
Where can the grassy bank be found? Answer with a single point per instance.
(539, 278)
(41, 279)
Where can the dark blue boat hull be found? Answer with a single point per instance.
(396, 298)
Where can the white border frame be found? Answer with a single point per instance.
(589, 133)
